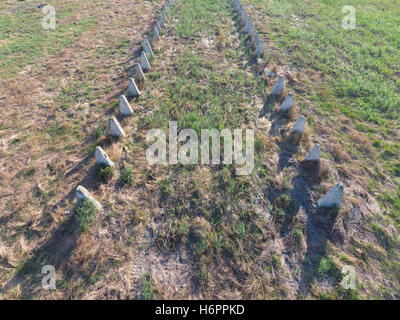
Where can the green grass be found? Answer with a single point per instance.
(85, 214)
(104, 173)
(126, 176)
(359, 65)
(148, 287)
(25, 40)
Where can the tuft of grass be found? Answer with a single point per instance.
(148, 286)
(104, 173)
(126, 176)
(85, 214)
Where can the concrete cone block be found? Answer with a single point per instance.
(156, 34)
(147, 47)
(102, 158)
(82, 194)
(299, 127)
(133, 90)
(124, 106)
(144, 62)
(287, 104)
(138, 73)
(116, 129)
(333, 199)
(278, 88)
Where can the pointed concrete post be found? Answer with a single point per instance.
(144, 62)
(133, 90)
(156, 34)
(314, 154)
(255, 41)
(82, 194)
(124, 106)
(287, 105)
(102, 158)
(158, 27)
(161, 21)
(299, 127)
(147, 48)
(278, 88)
(333, 199)
(312, 161)
(116, 129)
(259, 49)
(138, 73)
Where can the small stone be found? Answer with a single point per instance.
(205, 43)
(82, 194)
(287, 104)
(102, 158)
(138, 73)
(333, 198)
(147, 48)
(124, 106)
(115, 128)
(133, 90)
(314, 154)
(299, 126)
(144, 62)
(279, 87)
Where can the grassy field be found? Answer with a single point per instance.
(195, 231)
